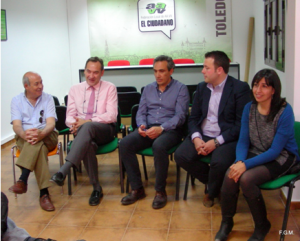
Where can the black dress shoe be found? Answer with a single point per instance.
(133, 196)
(95, 197)
(160, 200)
(58, 178)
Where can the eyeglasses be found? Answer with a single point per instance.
(41, 118)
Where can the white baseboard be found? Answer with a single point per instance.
(7, 139)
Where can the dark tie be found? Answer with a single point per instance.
(90, 108)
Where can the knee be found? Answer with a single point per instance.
(179, 156)
(159, 149)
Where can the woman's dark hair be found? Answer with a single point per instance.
(272, 79)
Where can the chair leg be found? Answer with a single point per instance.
(13, 165)
(192, 180)
(121, 170)
(61, 161)
(145, 168)
(287, 209)
(64, 142)
(186, 185)
(177, 182)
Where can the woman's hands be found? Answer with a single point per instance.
(236, 170)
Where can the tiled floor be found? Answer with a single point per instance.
(187, 220)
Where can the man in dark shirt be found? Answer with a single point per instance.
(162, 111)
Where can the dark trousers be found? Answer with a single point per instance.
(135, 142)
(85, 144)
(222, 157)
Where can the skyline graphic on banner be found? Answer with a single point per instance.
(201, 26)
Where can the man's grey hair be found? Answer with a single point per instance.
(171, 64)
(26, 79)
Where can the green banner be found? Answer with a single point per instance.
(3, 25)
(138, 29)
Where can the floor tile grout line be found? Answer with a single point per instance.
(88, 221)
(169, 226)
(55, 215)
(125, 231)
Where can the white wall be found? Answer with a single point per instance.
(37, 41)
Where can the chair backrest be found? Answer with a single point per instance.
(184, 61)
(56, 101)
(191, 89)
(61, 117)
(297, 134)
(126, 89)
(118, 124)
(118, 63)
(126, 100)
(142, 89)
(66, 100)
(134, 110)
(146, 61)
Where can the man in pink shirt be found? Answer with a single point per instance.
(91, 115)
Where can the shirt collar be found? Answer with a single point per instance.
(95, 86)
(168, 86)
(219, 87)
(38, 99)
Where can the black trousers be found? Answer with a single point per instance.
(134, 142)
(85, 144)
(222, 157)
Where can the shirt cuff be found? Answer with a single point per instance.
(195, 135)
(220, 139)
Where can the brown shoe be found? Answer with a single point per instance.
(160, 200)
(133, 196)
(46, 203)
(207, 201)
(19, 187)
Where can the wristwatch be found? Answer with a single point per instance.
(216, 143)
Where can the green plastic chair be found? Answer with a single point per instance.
(149, 151)
(205, 159)
(103, 149)
(288, 181)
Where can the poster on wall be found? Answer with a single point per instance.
(3, 25)
(139, 29)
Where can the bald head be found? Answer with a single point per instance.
(33, 85)
(30, 76)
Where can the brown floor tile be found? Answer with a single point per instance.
(61, 233)
(189, 220)
(292, 235)
(34, 215)
(190, 235)
(191, 205)
(276, 220)
(33, 229)
(79, 203)
(112, 219)
(153, 219)
(145, 234)
(103, 234)
(72, 217)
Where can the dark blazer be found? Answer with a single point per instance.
(236, 94)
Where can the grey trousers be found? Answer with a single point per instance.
(85, 144)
